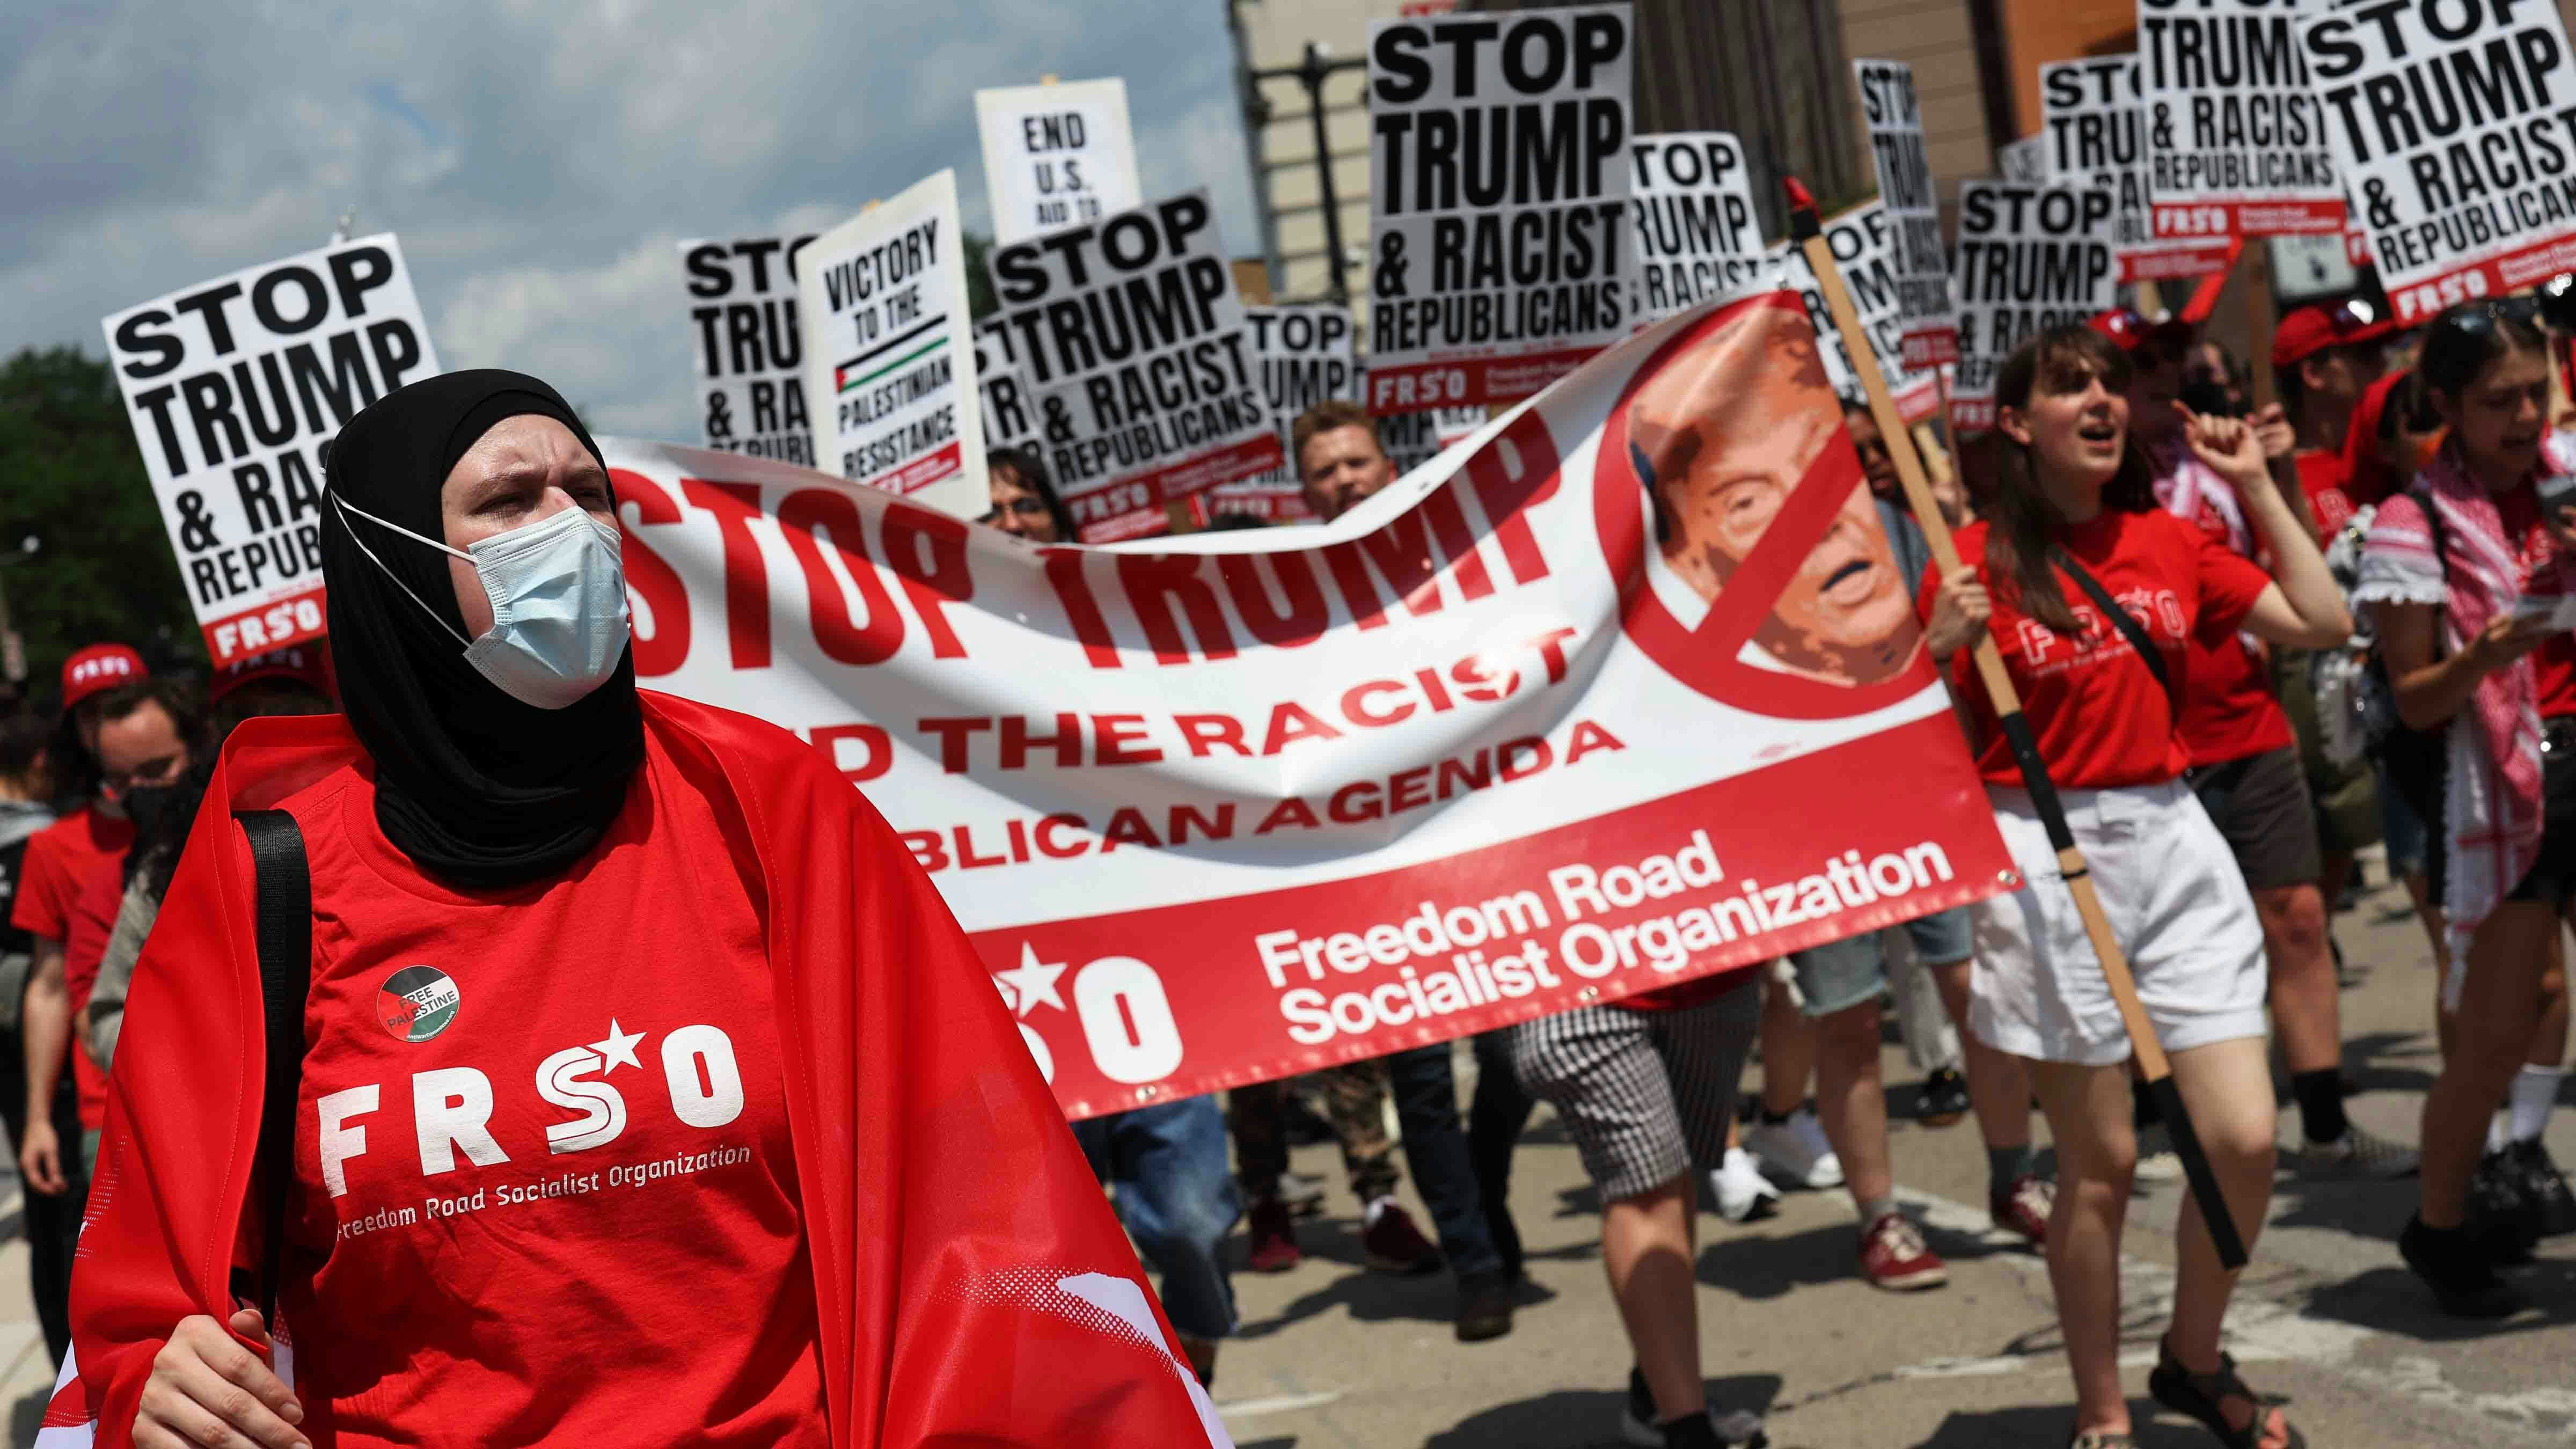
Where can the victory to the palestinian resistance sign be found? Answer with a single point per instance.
(1498, 164)
(1629, 693)
(2236, 145)
(1130, 337)
(890, 351)
(2455, 125)
(233, 386)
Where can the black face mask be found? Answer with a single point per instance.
(148, 805)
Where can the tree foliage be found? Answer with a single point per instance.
(71, 478)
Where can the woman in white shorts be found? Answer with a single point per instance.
(2074, 511)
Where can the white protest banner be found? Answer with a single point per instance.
(890, 350)
(1306, 354)
(742, 318)
(1698, 237)
(2091, 119)
(2305, 268)
(1865, 249)
(2455, 125)
(1499, 169)
(2025, 160)
(233, 387)
(1913, 204)
(1413, 439)
(1131, 336)
(2236, 145)
(2030, 258)
(1056, 155)
(1492, 745)
(1010, 412)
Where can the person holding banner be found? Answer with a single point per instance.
(648, 1091)
(2075, 528)
(2468, 575)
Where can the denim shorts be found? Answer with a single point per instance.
(1842, 974)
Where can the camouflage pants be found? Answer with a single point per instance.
(1354, 1101)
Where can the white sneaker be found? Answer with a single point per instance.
(1795, 1151)
(1740, 1191)
(2157, 1160)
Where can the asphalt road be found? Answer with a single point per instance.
(1332, 1356)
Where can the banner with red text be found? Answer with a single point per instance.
(1627, 692)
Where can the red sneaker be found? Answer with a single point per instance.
(1393, 1244)
(1893, 1255)
(2023, 1208)
(1274, 1238)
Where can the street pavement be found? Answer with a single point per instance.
(1332, 1356)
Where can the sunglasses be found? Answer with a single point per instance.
(1024, 505)
(2478, 319)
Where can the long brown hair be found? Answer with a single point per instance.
(2061, 359)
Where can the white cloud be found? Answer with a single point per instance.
(539, 159)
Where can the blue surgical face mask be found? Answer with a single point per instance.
(558, 592)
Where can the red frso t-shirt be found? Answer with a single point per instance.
(2099, 716)
(545, 1189)
(93, 918)
(2228, 709)
(2327, 480)
(59, 860)
(2554, 662)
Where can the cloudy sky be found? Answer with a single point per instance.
(540, 161)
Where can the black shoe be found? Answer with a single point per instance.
(1715, 1429)
(1484, 1307)
(2456, 1267)
(2501, 1212)
(2544, 1187)
(1943, 1098)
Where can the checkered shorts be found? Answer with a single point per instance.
(1644, 1093)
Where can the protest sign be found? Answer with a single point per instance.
(742, 326)
(1009, 412)
(890, 351)
(2025, 160)
(1492, 745)
(2092, 130)
(1499, 171)
(233, 386)
(1306, 354)
(2455, 126)
(2235, 143)
(1413, 439)
(1913, 204)
(1698, 237)
(2305, 268)
(1131, 337)
(1056, 155)
(1864, 247)
(2030, 258)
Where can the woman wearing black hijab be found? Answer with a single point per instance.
(649, 1093)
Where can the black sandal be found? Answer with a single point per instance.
(2199, 1395)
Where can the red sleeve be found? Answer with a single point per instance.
(86, 927)
(2229, 585)
(44, 890)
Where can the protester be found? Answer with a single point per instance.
(2457, 554)
(1646, 1087)
(1025, 504)
(48, 1221)
(848, 1156)
(2075, 503)
(2246, 766)
(1340, 459)
(59, 858)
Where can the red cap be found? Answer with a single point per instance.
(2130, 330)
(2310, 330)
(98, 667)
(305, 664)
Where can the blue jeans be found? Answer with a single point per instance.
(1166, 1167)
(1435, 1147)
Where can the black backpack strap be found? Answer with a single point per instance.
(284, 916)
(2120, 620)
